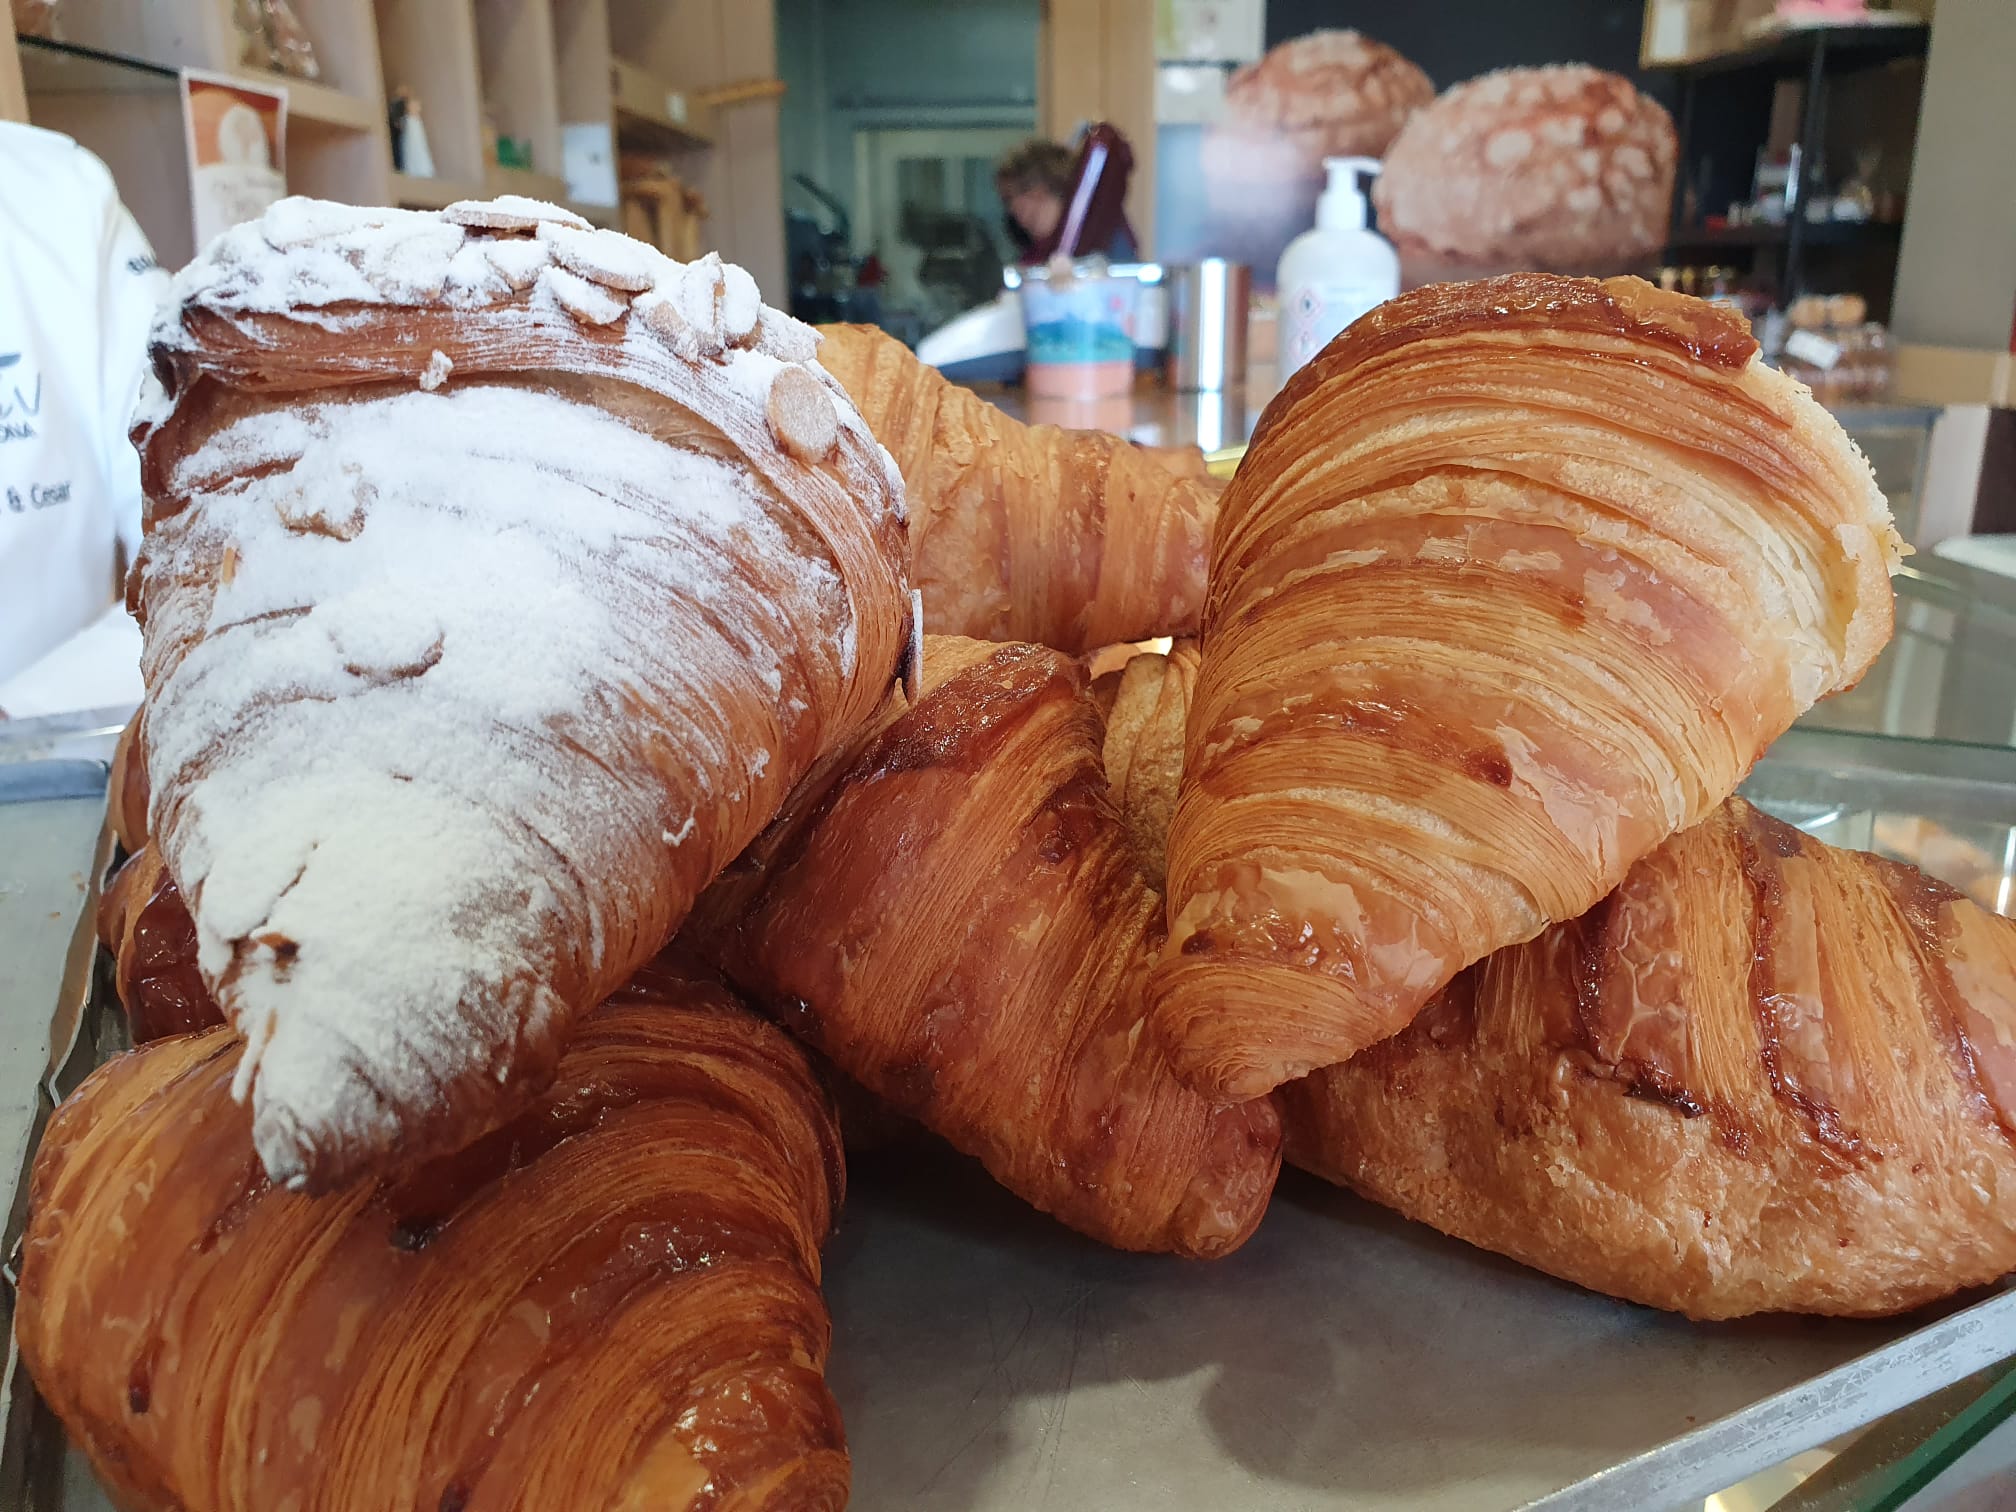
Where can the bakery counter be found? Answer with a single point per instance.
(1892, 436)
(1949, 672)
(1151, 414)
(987, 1358)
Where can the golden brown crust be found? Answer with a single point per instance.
(613, 1300)
(126, 800)
(956, 915)
(1143, 749)
(1764, 1075)
(1518, 578)
(1072, 539)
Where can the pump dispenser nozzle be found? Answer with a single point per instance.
(1342, 206)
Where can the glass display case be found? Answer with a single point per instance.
(986, 1358)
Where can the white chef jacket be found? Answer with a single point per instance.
(78, 290)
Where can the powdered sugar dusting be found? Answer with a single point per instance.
(605, 256)
(509, 212)
(377, 735)
(518, 261)
(426, 786)
(578, 297)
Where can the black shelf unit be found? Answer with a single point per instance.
(1816, 234)
(1814, 55)
(52, 67)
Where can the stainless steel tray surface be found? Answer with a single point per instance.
(986, 1358)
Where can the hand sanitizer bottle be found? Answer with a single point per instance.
(1335, 273)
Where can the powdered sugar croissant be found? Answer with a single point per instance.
(1518, 579)
(501, 576)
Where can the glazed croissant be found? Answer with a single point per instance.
(1763, 1075)
(501, 577)
(610, 1301)
(144, 922)
(954, 912)
(1518, 578)
(1072, 539)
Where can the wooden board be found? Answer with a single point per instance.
(13, 98)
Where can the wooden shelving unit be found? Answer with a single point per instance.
(650, 110)
(577, 80)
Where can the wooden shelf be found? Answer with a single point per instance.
(308, 100)
(652, 115)
(514, 48)
(412, 193)
(544, 71)
(428, 48)
(549, 187)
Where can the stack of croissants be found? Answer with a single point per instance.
(595, 721)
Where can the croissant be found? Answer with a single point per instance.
(501, 576)
(1762, 1075)
(1072, 539)
(953, 911)
(1518, 579)
(610, 1301)
(126, 786)
(144, 922)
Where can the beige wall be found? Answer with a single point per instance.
(13, 101)
(1956, 271)
(1097, 63)
(701, 45)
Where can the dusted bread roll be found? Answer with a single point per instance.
(501, 576)
(1764, 1075)
(1073, 539)
(955, 913)
(1565, 168)
(1518, 578)
(1326, 94)
(612, 1301)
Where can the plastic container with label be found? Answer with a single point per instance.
(1331, 275)
(1080, 322)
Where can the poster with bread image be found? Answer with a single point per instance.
(1562, 167)
(237, 136)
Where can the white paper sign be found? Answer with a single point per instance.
(237, 139)
(1810, 347)
(1209, 31)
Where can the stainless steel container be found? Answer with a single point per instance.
(1207, 324)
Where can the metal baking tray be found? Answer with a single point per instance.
(985, 1358)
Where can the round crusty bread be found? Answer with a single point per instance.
(1565, 168)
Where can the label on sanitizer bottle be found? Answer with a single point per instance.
(1314, 313)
